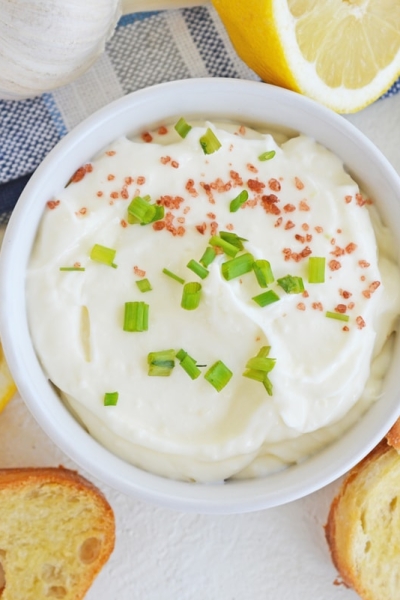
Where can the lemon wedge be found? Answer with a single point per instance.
(7, 385)
(343, 53)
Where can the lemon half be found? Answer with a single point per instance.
(343, 53)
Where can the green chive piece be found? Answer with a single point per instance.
(264, 351)
(218, 375)
(180, 355)
(209, 142)
(72, 268)
(132, 220)
(173, 276)
(229, 249)
(261, 363)
(266, 298)
(291, 284)
(159, 371)
(237, 202)
(161, 357)
(136, 316)
(267, 155)
(110, 398)
(208, 256)
(316, 269)
(263, 272)
(188, 364)
(268, 385)
(197, 268)
(259, 366)
(191, 295)
(158, 214)
(144, 285)
(337, 316)
(103, 255)
(255, 375)
(161, 363)
(233, 238)
(141, 210)
(182, 127)
(237, 266)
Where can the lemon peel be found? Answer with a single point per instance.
(343, 53)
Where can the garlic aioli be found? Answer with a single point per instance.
(301, 204)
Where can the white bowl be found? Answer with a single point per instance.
(247, 102)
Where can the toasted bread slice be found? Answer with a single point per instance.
(56, 532)
(363, 528)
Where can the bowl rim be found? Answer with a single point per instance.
(234, 496)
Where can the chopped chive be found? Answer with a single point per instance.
(132, 220)
(264, 351)
(208, 256)
(237, 202)
(255, 374)
(197, 268)
(72, 268)
(136, 316)
(141, 210)
(161, 357)
(263, 272)
(291, 284)
(266, 298)
(180, 355)
(229, 249)
(316, 269)
(209, 142)
(337, 316)
(259, 366)
(182, 127)
(161, 363)
(188, 364)
(261, 363)
(144, 285)
(173, 276)
(103, 255)
(237, 266)
(218, 375)
(268, 385)
(110, 398)
(158, 214)
(191, 295)
(159, 371)
(233, 238)
(267, 155)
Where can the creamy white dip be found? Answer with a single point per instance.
(301, 203)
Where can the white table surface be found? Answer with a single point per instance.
(275, 554)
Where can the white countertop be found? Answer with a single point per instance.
(275, 554)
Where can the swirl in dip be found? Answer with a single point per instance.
(330, 339)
